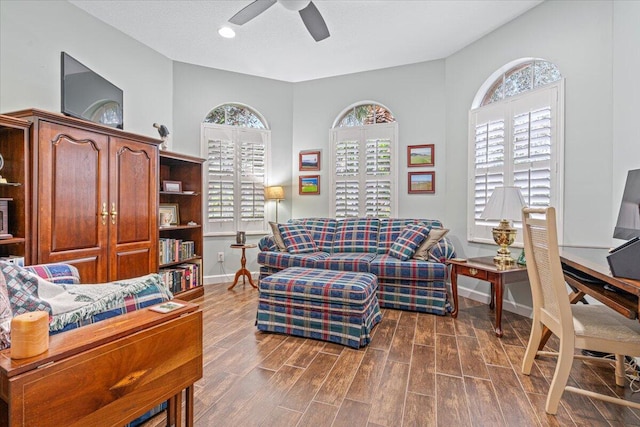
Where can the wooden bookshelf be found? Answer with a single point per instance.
(187, 170)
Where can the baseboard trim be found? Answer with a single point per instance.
(227, 278)
(507, 305)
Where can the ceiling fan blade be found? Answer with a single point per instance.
(251, 11)
(313, 21)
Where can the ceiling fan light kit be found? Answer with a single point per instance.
(309, 13)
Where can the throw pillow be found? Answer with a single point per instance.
(297, 239)
(277, 237)
(408, 241)
(22, 288)
(5, 315)
(434, 236)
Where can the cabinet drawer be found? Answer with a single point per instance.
(472, 272)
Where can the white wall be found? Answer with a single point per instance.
(32, 35)
(197, 91)
(414, 94)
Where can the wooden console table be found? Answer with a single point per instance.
(484, 268)
(107, 373)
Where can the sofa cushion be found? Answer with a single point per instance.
(322, 231)
(390, 229)
(388, 267)
(408, 241)
(346, 261)
(281, 260)
(435, 234)
(356, 235)
(297, 239)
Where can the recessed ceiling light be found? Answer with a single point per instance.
(227, 32)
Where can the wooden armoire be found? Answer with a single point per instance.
(94, 192)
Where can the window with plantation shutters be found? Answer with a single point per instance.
(236, 173)
(363, 178)
(518, 142)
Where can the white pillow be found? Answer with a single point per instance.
(277, 237)
(434, 236)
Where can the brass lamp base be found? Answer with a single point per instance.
(504, 235)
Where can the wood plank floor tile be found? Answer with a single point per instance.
(483, 402)
(452, 407)
(318, 414)
(447, 356)
(419, 411)
(491, 348)
(339, 380)
(425, 330)
(384, 332)
(368, 375)
(281, 417)
(422, 377)
(470, 356)
(400, 351)
(388, 403)
(513, 400)
(352, 414)
(304, 390)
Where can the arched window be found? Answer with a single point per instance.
(522, 78)
(516, 139)
(235, 142)
(365, 114)
(363, 158)
(235, 115)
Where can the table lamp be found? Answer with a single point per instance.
(274, 193)
(505, 204)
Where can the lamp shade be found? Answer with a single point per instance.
(504, 203)
(274, 193)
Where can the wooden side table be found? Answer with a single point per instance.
(243, 272)
(483, 268)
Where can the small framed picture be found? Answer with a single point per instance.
(169, 214)
(422, 182)
(172, 186)
(309, 184)
(420, 155)
(309, 160)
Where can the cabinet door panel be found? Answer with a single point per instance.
(133, 189)
(72, 168)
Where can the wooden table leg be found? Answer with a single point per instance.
(492, 301)
(243, 272)
(454, 290)
(189, 406)
(499, 287)
(171, 411)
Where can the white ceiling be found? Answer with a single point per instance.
(365, 34)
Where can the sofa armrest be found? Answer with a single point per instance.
(442, 251)
(267, 244)
(56, 273)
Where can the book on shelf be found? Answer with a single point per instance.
(181, 277)
(175, 250)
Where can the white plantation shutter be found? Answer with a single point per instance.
(518, 141)
(236, 172)
(363, 178)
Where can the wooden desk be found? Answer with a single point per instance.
(243, 272)
(484, 268)
(107, 373)
(594, 279)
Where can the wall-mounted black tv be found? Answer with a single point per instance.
(87, 95)
(628, 225)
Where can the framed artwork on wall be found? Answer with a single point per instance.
(309, 160)
(309, 184)
(422, 182)
(420, 155)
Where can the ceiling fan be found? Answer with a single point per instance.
(308, 12)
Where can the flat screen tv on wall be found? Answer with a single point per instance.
(87, 95)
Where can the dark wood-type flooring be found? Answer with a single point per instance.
(419, 370)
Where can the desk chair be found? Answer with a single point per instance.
(592, 327)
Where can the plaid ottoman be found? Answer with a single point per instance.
(335, 306)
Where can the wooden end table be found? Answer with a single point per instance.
(483, 268)
(243, 272)
(107, 373)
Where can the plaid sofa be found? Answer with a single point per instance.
(67, 274)
(362, 245)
